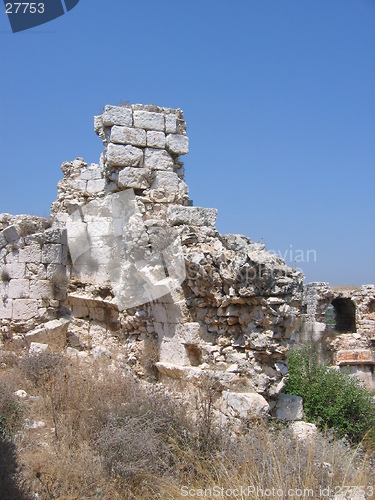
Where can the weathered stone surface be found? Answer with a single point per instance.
(244, 405)
(149, 120)
(10, 234)
(177, 144)
(54, 254)
(19, 289)
(156, 159)
(52, 333)
(96, 185)
(6, 309)
(92, 173)
(117, 115)
(37, 348)
(124, 156)
(15, 270)
(166, 183)
(355, 357)
(192, 216)
(304, 432)
(136, 178)
(41, 289)
(30, 253)
(155, 139)
(127, 135)
(170, 124)
(24, 309)
(289, 407)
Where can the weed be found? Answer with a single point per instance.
(331, 398)
(5, 276)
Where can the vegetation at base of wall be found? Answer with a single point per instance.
(111, 436)
(331, 397)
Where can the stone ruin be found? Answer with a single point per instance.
(340, 322)
(127, 269)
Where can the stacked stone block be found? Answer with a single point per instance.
(32, 274)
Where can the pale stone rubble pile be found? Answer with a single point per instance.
(226, 317)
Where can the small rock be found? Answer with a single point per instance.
(21, 394)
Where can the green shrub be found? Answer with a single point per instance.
(330, 397)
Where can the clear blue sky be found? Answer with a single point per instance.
(278, 95)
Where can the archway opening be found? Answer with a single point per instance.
(344, 311)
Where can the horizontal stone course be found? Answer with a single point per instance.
(19, 289)
(117, 115)
(30, 253)
(24, 309)
(124, 156)
(149, 120)
(127, 135)
(156, 159)
(192, 216)
(177, 144)
(155, 139)
(136, 178)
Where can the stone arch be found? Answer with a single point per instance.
(345, 312)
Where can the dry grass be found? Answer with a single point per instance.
(109, 436)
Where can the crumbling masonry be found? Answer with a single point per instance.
(129, 270)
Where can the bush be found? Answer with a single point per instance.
(10, 411)
(330, 397)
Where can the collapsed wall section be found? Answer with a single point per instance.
(151, 280)
(33, 281)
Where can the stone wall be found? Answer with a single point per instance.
(151, 282)
(33, 282)
(350, 341)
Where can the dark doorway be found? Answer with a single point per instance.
(344, 310)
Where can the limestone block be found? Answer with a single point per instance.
(155, 139)
(170, 124)
(3, 241)
(305, 433)
(124, 156)
(18, 289)
(96, 185)
(53, 253)
(171, 351)
(51, 333)
(6, 308)
(35, 271)
(117, 115)
(127, 135)
(158, 159)
(37, 348)
(167, 182)
(92, 173)
(177, 144)
(289, 407)
(55, 236)
(41, 289)
(149, 120)
(192, 216)
(136, 178)
(10, 234)
(98, 124)
(24, 309)
(16, 270)
(78, 185)
(244, 405)
(30, 253)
